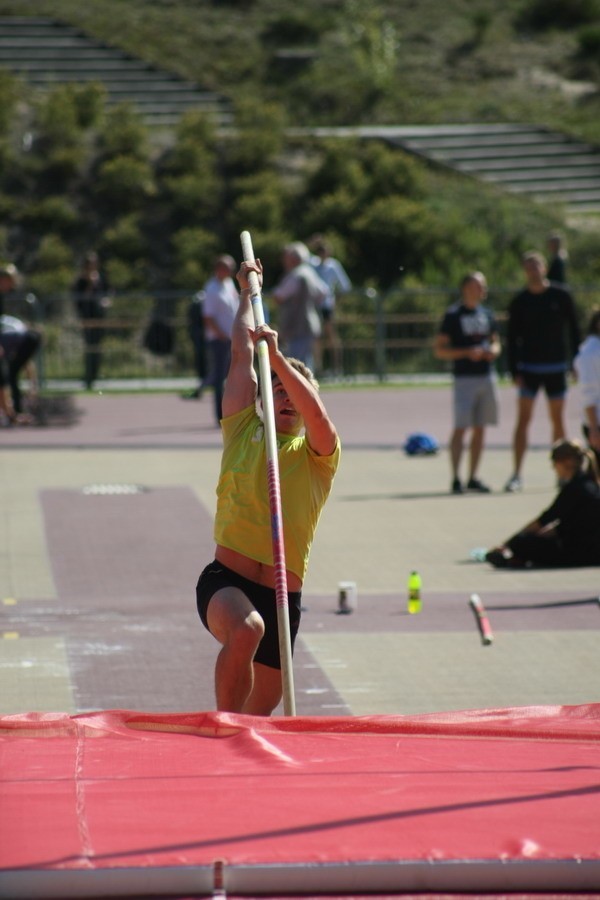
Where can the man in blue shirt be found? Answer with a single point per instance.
(332, 272)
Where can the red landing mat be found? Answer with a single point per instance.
(122, 803)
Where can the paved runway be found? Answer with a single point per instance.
(106, 521)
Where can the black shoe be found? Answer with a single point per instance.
(457, 487)
(474, 484)
(497, 559)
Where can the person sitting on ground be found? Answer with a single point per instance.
(567, 533)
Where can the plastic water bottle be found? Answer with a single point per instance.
(414, 593)
(478, 554)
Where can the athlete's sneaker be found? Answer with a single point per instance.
(498, 559)
(474, 484)
(457, 487)
(513, 485)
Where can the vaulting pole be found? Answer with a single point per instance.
(266, 393)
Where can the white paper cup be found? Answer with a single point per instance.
(347, 596)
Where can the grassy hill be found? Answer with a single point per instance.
(160, 215)
(349, 62)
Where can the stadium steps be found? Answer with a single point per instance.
(46, 53)
(529, 160)
(524, 159)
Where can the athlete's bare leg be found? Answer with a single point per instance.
(236, 624)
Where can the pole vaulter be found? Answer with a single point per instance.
(273, 482)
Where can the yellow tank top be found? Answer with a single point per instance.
(243, 519)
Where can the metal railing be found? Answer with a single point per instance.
(377, 337)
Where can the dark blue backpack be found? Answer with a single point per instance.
(421, 444)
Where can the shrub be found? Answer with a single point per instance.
(9, 95)
(194, 148)
(124, 182)
(126, 276)
(194, 250)
(124, 239)
(584, 252)
(395, 236)
(293, 29)
(259, 203)
(89, 100)
(193, 196)
(356, 68)
(543, 14)
(8, 207)
(57, 118)
(588, 42)
(55, 214)
(260, 135)
(481, 20)
(59, 167)
(392, 171)
(123, 133)
(53, 268)
(338, 163)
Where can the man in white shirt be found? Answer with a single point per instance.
(221, 301)
(587, 367)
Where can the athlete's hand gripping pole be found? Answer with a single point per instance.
(266, 393)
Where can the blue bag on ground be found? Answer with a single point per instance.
(421, 444)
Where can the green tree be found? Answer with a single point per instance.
(194, 250)
(355, 70)
(189, 172)
(122, 132)
(123, 183)
(52, 268)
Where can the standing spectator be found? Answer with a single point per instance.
(468, 337)
(332, 272)
(557, 268)
(587, 366)
(299, 295)
(195, 317)
(542, 338)
(90, 293)
(221, 301)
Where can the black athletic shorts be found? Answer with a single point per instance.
(554, 383)
(216, 576)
